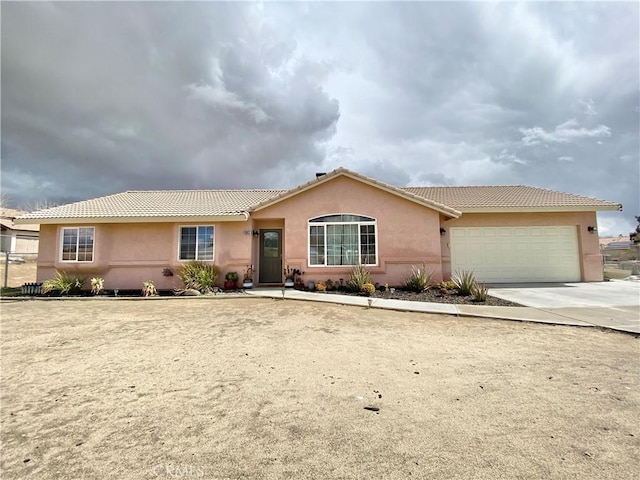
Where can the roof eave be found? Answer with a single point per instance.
(26, 227)
(573, 208)
(235, 217)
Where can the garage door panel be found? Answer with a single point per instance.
(517, 254)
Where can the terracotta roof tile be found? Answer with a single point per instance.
(159, 203)
(486, 198)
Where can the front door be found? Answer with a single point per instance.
(270, 256)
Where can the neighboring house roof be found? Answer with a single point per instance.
(617, 245)
(6, 221)
(517, 198)
(620, 241)
(230, 205)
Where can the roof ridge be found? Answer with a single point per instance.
(468, 186)
(203, 190)
(65, 205)
(451, 200)
(360, 177)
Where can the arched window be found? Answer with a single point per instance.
(342, 239)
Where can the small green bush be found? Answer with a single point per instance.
(358, 277)
(64, 283)
(199, 276)
(419, 280)
(480, 292)
(368, 289)
(464, 281)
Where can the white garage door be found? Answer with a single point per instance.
(516, 254)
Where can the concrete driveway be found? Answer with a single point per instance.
(614, 304)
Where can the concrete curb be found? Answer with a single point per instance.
(558, 316)
(521, 314)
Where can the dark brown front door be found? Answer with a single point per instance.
(270, 256)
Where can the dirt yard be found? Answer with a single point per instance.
(19, 273)
(258, 388)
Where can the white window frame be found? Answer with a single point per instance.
(77, 229)
(310, 224)
(196, 259)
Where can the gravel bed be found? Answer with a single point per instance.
(434, 296)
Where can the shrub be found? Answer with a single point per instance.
(64, 283)
(97, 285)
(199, 276)
(464, 281)
(358, 277)
(230, 276)
(419, 280)
(149, 289)
(321, 286)
(449, 285)
(480, 292)
(368, 289)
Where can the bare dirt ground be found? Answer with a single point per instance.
(258, 388)
(19, 273)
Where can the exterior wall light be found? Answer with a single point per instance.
(591, 229)
(255, 233)
(442, 231)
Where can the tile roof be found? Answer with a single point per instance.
(511, 197)
(604, 241)
(156, 205)
(6, 220)
(159, 204)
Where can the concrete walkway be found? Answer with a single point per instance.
(562, 295)
(614, 304)
(582, 317)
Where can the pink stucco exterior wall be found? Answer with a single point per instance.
(407, 233)
(128, 254)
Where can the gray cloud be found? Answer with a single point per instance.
(154, 95)
(102, 97)
(566, 132)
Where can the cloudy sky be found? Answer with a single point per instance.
(99, 98)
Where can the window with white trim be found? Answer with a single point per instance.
(77, 244)
(196, 242)
(342, 239)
